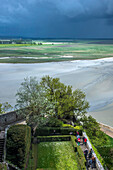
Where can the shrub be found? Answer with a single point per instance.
(76, 128)
(18, 144)
(54, 122)
(80, 155)
(46, 131)
(52, 138)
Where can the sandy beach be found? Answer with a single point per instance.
(94, 77)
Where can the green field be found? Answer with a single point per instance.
(53, 155)
(60, 51)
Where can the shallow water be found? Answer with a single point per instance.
(94, 77)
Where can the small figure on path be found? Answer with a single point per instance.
(90, 153)
(77, 133)
(85, 141)
(78, 136)
(86, 153)
(90, 162)
(93, 162)
(78, 141)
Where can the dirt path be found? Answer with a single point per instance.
(106, 129)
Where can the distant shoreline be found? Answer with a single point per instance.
(106, 129)
(75, 60)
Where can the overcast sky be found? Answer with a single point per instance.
(57, 18)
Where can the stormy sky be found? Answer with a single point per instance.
(57, 18)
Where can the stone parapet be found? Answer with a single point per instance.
(9, 118)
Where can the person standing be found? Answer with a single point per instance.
(86, 153)
(93, 162)
(78, 136)
(78, 141)
(90, 153)
(85, 141)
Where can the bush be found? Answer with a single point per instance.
(76, 128)
(46, 131)
(54, 122)
(18, 144)
(53, 138)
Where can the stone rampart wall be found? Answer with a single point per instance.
(9, 118)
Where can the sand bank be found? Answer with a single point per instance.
(94, 77)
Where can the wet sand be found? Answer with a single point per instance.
(94, 77)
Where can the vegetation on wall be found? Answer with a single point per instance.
(106, 152)
(102, 143)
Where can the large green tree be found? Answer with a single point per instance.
(33, 104)
(68, 103)
(49, 98)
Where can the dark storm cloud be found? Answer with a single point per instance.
(56, 18)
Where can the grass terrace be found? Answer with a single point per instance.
(53, 155)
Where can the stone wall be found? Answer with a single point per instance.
(9, 118)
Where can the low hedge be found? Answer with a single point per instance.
(46, 131)
(53, 138)
(73, 139)
(81, 160)
(18, 144)
(77, 128)
(80, 156)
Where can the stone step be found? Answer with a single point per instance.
(1, 149)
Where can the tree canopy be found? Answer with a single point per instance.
(5, 107)
(67, 102)
(32, 102)
(49, 97)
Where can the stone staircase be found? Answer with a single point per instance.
(2, 141)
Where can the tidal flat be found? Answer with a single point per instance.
(94, 77)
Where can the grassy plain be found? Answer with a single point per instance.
(60, 51)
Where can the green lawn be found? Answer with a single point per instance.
(53, 155)
(57, 52)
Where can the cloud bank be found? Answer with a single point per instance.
(57, 18)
